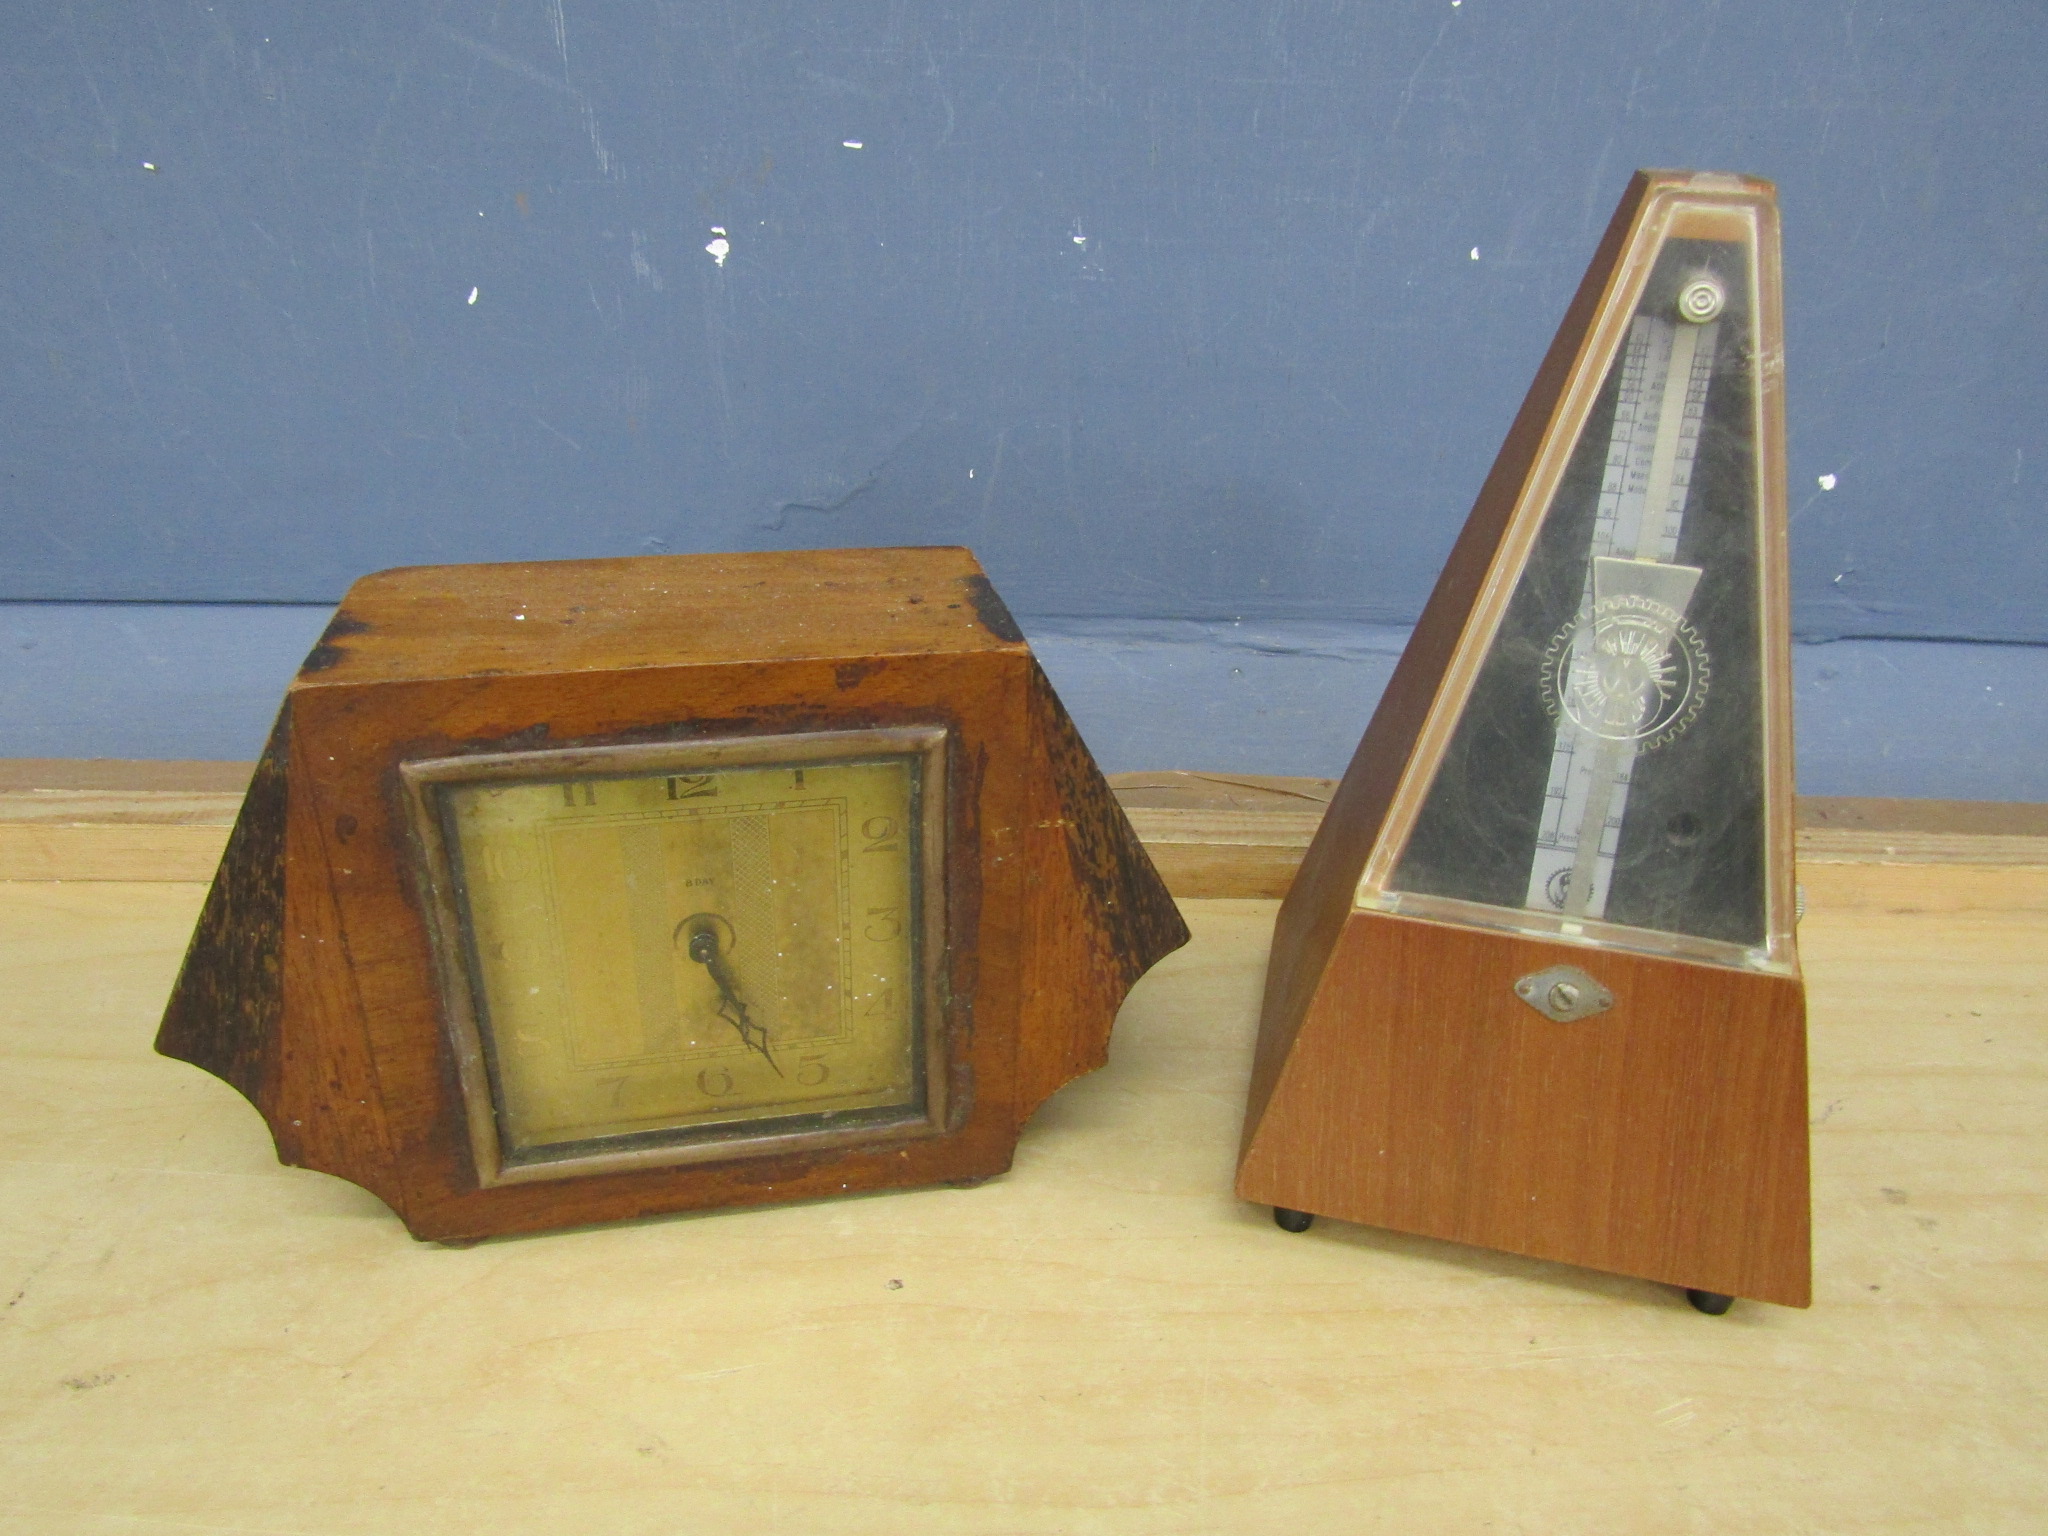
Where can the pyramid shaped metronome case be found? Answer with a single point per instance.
(1536, 986)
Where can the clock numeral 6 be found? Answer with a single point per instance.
(692, 786)
(879, 834)
(811, 1071)
(714, 1082)
(884, 923)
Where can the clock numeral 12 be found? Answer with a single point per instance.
(569, 794)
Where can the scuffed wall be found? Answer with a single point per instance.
(1185, 311)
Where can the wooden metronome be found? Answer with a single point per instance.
(1535, 987)
(578, 890)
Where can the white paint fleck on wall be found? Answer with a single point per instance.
(472, 295)
(851, 144)
(1827, 482)
(1475, 253)
(720, 247)
(1091, 255)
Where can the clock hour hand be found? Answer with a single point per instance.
(704, 950)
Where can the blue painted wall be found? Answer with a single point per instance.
(1875, 717)
(1178, 311)
(1168, 309)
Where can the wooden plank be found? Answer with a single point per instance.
(1103, 1341)
(1965, 818)
(37, 851)
(116, 819)
(1224, 834)
(1243, 834)
(124, 774)
(1212, 835)
(1853, 845)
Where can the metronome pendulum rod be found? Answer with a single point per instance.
(1608, 678)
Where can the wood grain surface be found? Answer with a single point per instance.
(1664, 1138)
(315, 982)
(1399, 1078)
(1104, 1340)
(600, 615)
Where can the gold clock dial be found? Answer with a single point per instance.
(692, 955)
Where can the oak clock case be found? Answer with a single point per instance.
(1536, 987)
(578, 890)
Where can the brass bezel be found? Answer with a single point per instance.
(439, 886)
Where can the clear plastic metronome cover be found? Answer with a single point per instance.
(1608, 765)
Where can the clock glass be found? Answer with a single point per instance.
(1606, 773)
(657, 955)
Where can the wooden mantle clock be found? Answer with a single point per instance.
(1535, 987)
(582, 890)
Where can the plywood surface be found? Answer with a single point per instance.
(195, 1339)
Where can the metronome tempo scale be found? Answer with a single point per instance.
(1628, 673)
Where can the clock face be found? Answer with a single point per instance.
(664, 955)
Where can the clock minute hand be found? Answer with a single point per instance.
(704, 950)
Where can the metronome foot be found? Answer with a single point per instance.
(1291, 1221)
(1713, 1303)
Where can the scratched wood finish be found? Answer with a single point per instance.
(1052, 909)
(226, 1010)
(1399, 1081)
